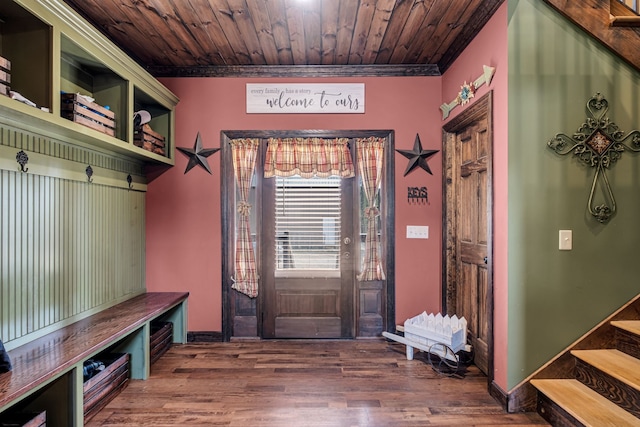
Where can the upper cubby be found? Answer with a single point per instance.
(81, 73)
(25, 41)
(161, 121)
(85, 88)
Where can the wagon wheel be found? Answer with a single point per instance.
(443, 359)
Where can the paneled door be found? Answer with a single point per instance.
(471, 245)
(308, 250)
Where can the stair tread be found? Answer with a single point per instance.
(632, 326)
(613, 362)
(584, 404)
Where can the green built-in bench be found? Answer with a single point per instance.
(47, 372)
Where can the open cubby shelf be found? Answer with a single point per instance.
(73, 372)
(54, 53)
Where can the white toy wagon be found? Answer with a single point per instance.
(441, 335)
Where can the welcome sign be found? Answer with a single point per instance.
(310, 98)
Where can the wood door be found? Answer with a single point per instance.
(472, 301)
(308, 258)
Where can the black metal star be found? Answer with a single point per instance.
(417, 157)
(197, 155)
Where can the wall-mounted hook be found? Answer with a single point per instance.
(89, 172)
(22, 158)
(129, 181)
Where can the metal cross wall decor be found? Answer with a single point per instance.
(598, 143)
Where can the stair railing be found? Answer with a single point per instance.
(624, 13)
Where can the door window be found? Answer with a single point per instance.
(307, 225)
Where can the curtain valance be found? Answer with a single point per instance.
(308, 157)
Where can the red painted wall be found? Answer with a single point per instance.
(183, 211)
(490, 48)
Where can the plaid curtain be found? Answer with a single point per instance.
(308, 157)
(370, 156)
(244, 152)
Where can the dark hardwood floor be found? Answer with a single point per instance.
(304, 383)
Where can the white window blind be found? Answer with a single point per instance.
(307, 223)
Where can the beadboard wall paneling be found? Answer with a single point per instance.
(68, 247)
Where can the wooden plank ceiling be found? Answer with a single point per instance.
(290, 37)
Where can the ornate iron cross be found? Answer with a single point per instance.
(598, 143)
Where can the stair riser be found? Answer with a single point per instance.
(555, 415)
(616, 391)
(628, 342)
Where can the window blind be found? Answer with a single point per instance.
(307, 223)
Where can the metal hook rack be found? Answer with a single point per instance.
(417, 195)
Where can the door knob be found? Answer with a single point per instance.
(347, 240)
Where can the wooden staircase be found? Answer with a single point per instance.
(605, 388)
(615, 25)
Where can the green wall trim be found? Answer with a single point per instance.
(57, 149)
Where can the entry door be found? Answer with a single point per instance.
(308, 257)
(473, 299)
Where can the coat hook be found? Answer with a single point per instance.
(22, 158)
(129, 181)
(89, 172)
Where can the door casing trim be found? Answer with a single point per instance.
(251, 309)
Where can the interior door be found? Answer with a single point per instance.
(308, 257)
(473, 300)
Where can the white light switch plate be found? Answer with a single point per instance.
(417, 231)
(565, 242)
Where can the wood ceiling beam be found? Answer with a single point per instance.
(297, 71)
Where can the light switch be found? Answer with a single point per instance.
(566, 240)
(417, 231)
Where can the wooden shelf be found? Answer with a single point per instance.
(55, 51)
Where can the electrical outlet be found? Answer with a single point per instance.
(417, 231)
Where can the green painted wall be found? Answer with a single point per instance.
(556, 296)
(68, 247)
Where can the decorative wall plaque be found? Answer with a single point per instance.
(306, 98)
(417, 157)
(198, 155)
(598, 143)
(468, 90)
